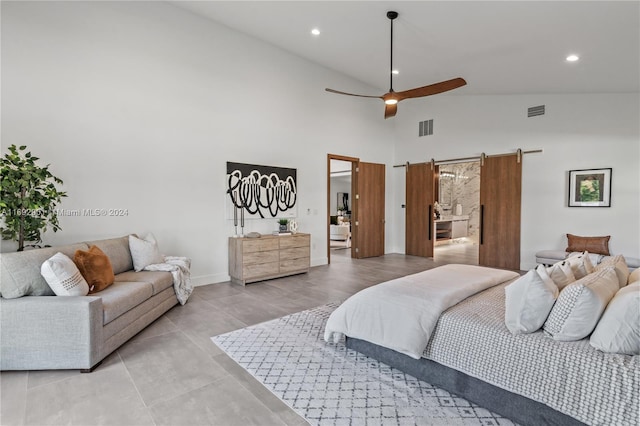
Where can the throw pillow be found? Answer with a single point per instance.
(580, 305)
(95, 267)
(598, 245)
(561, 274)
(580, 264)
(63, 276)
(144, 251)
(618, 331)
(529, 301)
(620, 266)
(634, 276)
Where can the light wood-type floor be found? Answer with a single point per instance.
(172, 374)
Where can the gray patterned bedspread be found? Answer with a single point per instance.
(571, 377)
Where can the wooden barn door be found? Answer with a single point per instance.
(369, 205)
(419, 199)
(500, 196)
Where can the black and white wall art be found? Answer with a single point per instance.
(263, 191)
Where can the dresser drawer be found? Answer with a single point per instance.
(294, 241)
(252, 245)
(261, 257)
(294, 253)
(259, 270)
(291, 265)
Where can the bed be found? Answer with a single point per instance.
(530, 379)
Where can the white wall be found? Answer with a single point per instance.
(577, 132)
(139, 105)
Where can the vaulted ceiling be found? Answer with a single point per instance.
(499, 47)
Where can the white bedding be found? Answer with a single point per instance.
(401, 314)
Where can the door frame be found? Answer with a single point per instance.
(352, 160)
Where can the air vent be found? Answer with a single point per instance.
(425, 128)
(536, 110)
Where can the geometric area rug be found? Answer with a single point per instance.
(329, 384)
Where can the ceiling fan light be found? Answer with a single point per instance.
(391, 101)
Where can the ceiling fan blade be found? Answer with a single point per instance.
(432, 89)
(390, 110)
(352, 94)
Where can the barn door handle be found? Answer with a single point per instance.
(429, 221)
(481, 224)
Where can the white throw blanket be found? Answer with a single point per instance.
(401, 314)
(181, 272)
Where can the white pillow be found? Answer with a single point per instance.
(581, 264)
(618, 330)
(580, 305)
(144, 251)
(561, 274)
(620, 265)
(634, 276)
(529, 301)
(63, 276)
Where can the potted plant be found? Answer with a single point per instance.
(28, 197)
(283, 224)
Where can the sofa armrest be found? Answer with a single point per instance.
(49, 332)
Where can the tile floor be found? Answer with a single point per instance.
(172, 374)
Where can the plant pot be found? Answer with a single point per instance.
(283, 228)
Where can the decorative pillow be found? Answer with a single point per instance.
(580, 264)
(63, 276)
(580, 305)
(95, 267)
(529, 301)
(634, 276)
(561, 274)
(620, 266)
(598, 245)
(618, 330)
(144, 251)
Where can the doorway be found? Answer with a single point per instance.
(457, 222)
(341, 197)
(359, 212)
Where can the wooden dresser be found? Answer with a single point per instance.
(270, 256)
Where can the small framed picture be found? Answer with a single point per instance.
(590, 188)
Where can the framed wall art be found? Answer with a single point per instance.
(261, 191)
(590, 188)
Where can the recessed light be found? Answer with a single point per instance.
(572, 58)
(396, 72)
(315, 31)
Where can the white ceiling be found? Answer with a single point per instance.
(499, 47)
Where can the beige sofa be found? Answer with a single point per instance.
(339, 232)
(41, 331)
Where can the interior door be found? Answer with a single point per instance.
(419, 199)
(368, 208)
(500, 196)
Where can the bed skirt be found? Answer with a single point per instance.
(518, 408)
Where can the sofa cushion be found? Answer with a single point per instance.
(158, 280)
(122, 297)
(144, 251)
(117, 249)
(20, 271)
(63, 276)
(598, 245)
(95, 267)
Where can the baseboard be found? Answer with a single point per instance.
(209, 279)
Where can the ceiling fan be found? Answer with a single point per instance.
(392, 98)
